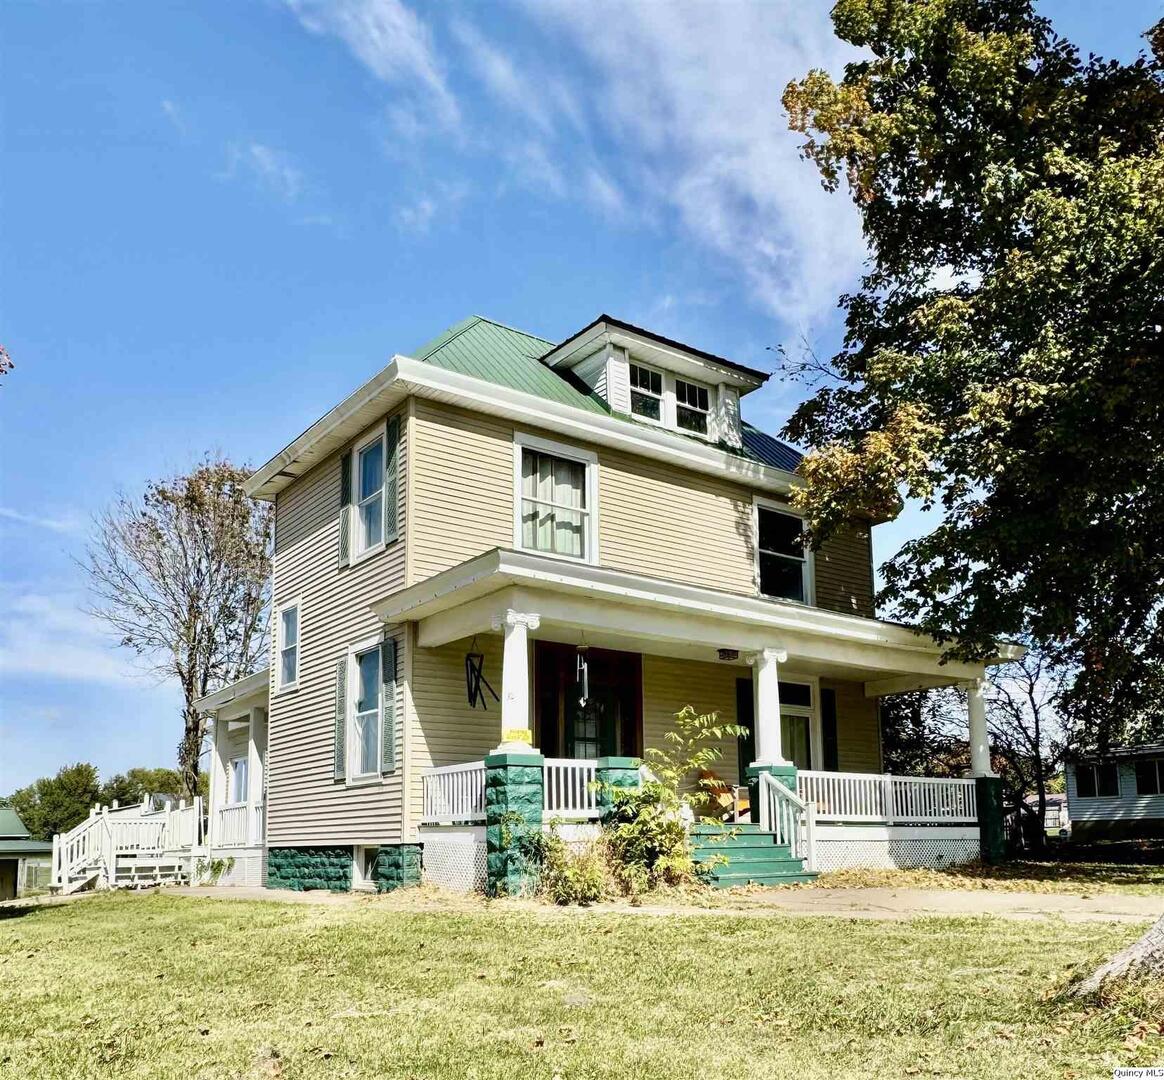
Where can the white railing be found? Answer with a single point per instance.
(793, 820)
(886, 799)
(138, 834)
(454, 793)
(183, 825)
(568, 789)
(232, 825)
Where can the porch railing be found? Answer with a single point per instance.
(233, 825)
(885, 799)
(568, 789)
(454, 794)
(792, 819)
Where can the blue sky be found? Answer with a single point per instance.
(217, 219)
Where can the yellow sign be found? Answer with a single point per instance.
(517, 734)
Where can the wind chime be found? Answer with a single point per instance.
(582, 674)
(475, 682)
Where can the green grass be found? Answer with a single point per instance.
(165, 986)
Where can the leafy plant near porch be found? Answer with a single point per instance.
(645, 832)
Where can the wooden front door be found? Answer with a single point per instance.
(7, 879)
(609, 722)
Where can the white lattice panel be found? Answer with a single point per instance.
(454, 862)
(894, 854)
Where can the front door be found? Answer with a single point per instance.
(7, 879)
(607, 722)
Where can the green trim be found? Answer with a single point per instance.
(504, 759)
(786, 774)
(397, 867)
(513, 810)
(991, 834)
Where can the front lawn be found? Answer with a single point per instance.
(166, 986)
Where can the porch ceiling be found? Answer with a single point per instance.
(620, 610)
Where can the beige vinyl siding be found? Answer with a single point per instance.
(669, 684)
(305, 804)
(462, 488)
(858, 727)
(443, 729)
(844, 571)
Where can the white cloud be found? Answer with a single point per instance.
(68, 523)
(696, 117)
(417, 216)
(47, 634)
(270, 168)
(172, 113)
(390, 40)
(602, 192)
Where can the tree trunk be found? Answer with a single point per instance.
(189, 749)
(1144, 957)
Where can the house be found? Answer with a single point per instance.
(1119, 795)
(501, 566)
(24, 862)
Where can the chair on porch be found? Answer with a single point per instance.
(728, 802)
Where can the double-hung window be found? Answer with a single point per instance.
(1150, 777)
(238, 780)
(784, 570)
(364, 740)
(287, 641)
(646, 393)
(554, 498)
(1097, 780)
(692, 406)
(370, 495)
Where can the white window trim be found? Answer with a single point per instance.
(663, 382)
(522, 440)
(379, 431)
(280, 686)
(673, 407)
(760, 503)
(815, 730)
(1095, 766)
(351, 779)
(361, 883)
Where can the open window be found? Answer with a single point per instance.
(783, 562)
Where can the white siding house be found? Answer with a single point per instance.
(1120, 795)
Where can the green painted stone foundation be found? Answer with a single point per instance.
(786, 774)
(302, 868)
(612, 773)
(991, 834)
(513, 809)
(397, 866)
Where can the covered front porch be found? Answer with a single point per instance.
(589, 666)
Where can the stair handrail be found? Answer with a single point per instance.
(789, 817)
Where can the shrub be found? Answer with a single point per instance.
(565, 876)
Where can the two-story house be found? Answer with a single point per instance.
(504, 559)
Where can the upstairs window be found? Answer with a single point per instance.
(554, 500)
(692, 405)
(287, 631)
(783, 560)
(1097, 781)
(370, 495)
(1150, 777)
(646, 393)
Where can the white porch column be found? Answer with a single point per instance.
(256, 734)
(979, 737)
(217, 778)
(516, 722)
(766, 683)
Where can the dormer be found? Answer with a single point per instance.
(657, 381)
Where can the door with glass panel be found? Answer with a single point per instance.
(607, 720)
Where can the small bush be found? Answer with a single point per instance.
(565, 876)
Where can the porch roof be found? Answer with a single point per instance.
(618, 609)
(235, 692)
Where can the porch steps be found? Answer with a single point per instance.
(753, 856)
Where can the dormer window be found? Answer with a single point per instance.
(692, 406)
(646, 393)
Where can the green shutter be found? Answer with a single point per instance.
(341, 718)
(345, 514)
(391, 480)
(388, 705)
(828, 730)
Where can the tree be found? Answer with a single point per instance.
(182, 575)
(1002, 356)
(6, 364)
(923, 733)
(135, 784)
(55, 804)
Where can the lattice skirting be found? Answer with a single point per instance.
(579, 835)
(453, 858)
(850, 848)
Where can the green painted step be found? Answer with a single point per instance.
(719, 830)
(751, 840)
(750, 855)
(728, 881)
(759, 866)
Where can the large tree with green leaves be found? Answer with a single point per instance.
(55, 804)
(1002, 356)
(182, 575)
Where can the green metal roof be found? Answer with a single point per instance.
(507, 357)
(10, 824)
(25, 847)
(504, 356)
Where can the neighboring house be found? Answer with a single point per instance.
(24, 862)
(501, 566)
(1119, 795)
